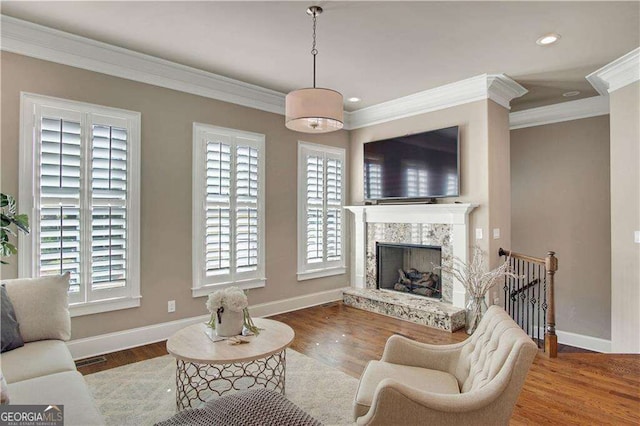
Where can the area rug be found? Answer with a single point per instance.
(144, 393)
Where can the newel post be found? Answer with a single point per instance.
(551, 340)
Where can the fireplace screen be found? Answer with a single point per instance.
(409, 268)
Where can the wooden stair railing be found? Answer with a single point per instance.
(530, 301)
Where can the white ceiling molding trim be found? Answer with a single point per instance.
(617, 74)
(503, 89)
(29, 39)
(556, 113)
(497, 87)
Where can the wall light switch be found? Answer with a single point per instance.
(171, 306)
(496, 233)
(478, 233)
(637, 237)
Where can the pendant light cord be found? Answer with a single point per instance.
(314, 51)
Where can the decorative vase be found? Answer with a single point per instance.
(229, 323)
(476, 307)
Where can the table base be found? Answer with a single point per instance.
(202, 382)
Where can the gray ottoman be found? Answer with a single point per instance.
(260, 407)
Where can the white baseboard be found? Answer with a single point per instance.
(581, 341)
(117, 341)
(295, 303)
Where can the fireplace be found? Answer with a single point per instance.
(409, 268)
(444, 226)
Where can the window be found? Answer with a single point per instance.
(79, 179)
(228, 209)
(320, 204)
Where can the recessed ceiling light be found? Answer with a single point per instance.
(548, 39)
(571, 94)
(354, 99)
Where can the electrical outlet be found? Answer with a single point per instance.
(171, 306)
(478, 233)
(496, 233)
(637, 237)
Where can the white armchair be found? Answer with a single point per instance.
(477, 381)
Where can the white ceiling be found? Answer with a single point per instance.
(377, 51)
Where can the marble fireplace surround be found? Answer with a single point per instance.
(452, 228)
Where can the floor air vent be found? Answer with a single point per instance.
(91, 361)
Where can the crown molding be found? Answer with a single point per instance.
(556, 113)
(617, 74)
(502, 89)
(497, 87)
(29, 39)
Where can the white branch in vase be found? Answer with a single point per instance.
(475, 276)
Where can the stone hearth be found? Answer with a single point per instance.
(420, 310)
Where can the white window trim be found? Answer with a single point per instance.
(305, 271)
(27, 197)
(200, 288)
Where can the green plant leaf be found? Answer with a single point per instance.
(22, 222)
(8, 249)
(9, 217)
(9, 203)
(5, 231)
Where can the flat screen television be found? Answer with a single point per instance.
(419, 166)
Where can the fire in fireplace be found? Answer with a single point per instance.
(409, 268)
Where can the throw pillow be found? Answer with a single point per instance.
(11, 338)
(41, 306)
(4, 391)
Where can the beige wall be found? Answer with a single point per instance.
(167, 118)
(560, 202)
(625, 218)
(499, 184)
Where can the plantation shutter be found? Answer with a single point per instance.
(246, 208)
(322, 192)
(59, 196)
(109, 206)
(228, 230)
(218, 193)
(334, 209)
(315, 208)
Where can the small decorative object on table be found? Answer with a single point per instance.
(477, 280)
(230, 313)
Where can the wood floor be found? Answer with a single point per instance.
(575, 388)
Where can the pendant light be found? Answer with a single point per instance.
(314, 110)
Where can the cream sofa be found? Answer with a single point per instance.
(43, 371)
(475, 382)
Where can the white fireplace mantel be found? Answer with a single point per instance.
(456, 215)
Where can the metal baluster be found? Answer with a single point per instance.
(526, 299)
(505, 287)
(544, 304)
(519, 320)
(514, 263)
(538, 311)
(520, 294)
(513, 289)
